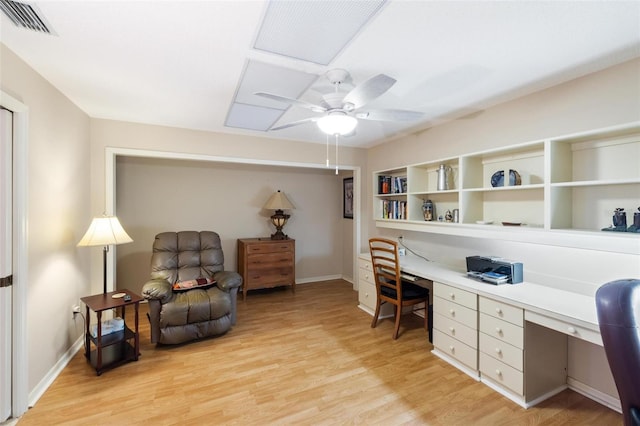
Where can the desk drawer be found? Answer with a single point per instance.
(565, 327)
(454, 348)
(461, 314)
(466, 335)
(502, 351)
(367, 294)
(502, 330)
(366, 275)
(453, 294)
(501, 310)
(501, 373)
(365, 264)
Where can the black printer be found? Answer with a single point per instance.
(494, 270)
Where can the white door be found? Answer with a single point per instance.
(6, 247)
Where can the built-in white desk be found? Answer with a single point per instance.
(512, 337)
(567, 312)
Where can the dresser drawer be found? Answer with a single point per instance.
(461, 314)
(456, 349)
(268, 278)
(501, 310)
(502, 351)
(467, 335)
(453, 294)
(502, 330)
(269, 247)
(366, 275)
(501, 373)
(270, 260)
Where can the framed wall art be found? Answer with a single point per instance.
(347, 195)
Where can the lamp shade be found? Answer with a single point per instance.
(337, 123)
(278, 201)
(104, 231)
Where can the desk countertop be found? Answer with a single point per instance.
(565, 306)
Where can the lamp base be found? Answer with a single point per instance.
(279, 235)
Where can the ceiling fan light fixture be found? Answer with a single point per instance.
(337, 123)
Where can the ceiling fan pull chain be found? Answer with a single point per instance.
(337, 136)
(327, 145)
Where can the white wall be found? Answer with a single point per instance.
(157, 195)
(58, 214)
(606, 98)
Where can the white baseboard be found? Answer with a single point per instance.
(55, 371)
(322, 278)
(598, 396)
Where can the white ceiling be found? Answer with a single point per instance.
(180, 63)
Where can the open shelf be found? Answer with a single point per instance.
(569, 188)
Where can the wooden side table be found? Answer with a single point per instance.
(266, 263)
(115, 348)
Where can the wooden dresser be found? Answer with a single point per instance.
(266, 263)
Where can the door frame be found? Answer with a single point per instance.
(19, 356)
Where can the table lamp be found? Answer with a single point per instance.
(104, 231)
(279, 202)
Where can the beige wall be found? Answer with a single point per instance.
(157, 195)
(58, 214)
(146, 138)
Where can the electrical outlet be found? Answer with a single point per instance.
(75, 309)
(401, 252)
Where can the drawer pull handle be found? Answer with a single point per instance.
(452, 312)
(498, 350)
(498, 372)
(452, 330)
(452, 295)
(452, 349)
(572, 330)
(366, 276)
(498, 330)
(498, 311)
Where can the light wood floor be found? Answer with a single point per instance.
(304, 359)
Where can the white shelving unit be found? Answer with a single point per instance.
(570, 186)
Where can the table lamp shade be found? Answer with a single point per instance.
(278, 201)
(105, 231)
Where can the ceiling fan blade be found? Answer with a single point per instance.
(391, 115)
(369, 90)
(295, 123)
(296, 102)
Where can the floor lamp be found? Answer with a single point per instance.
(104, 231)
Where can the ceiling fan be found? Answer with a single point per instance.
(340, 111)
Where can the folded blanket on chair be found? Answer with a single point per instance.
(190, 284)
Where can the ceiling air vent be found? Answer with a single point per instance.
(25, 15)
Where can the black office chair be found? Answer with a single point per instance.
(618, 307)
(390, 287)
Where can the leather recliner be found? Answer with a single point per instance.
(618, 307)
(181, 316)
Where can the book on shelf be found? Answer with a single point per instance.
(394, 209)
(392, 184)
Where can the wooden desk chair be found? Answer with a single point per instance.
(390, 287)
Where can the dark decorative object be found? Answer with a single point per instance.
(347, 198)
(497, 179)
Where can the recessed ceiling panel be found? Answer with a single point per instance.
(313, 31)
(252, 117)
(262, 77)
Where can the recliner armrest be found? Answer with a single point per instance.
(227, 280)
(157, 289)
